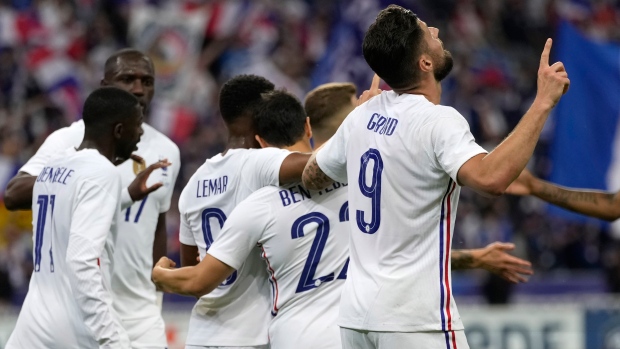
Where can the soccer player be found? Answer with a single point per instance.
(405, 158)
(593, 203)
(302, 236)
(236, 314)
(142, 223)
(328, 105)
(76, 200)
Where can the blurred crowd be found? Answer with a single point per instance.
(52, 54)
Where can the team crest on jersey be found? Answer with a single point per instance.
(138, 166)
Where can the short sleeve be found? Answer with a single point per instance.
(452, 142)
(186, 237)
(241, 232)
(55, 143)
(262, 167)
(332, 157)
(175, 159)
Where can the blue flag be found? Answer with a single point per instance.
(586, 118)
(343, 60)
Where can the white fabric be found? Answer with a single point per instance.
(202, 347)
(135, 297)
(405, 153)
(134, 293)
(303, 237)
(236, 313)
(69, 305)
(356, 339)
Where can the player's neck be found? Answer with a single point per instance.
(303, 146)
(241, 134)
(105, 148)
(429, 88)
(240, 142)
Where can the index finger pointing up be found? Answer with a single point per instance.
(375, 83)
(544, 57)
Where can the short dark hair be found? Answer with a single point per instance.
(280, 119)
(328, 100)
(392, 46)
(241, 95)
(111, 64)
(106, 106)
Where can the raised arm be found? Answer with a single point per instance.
(191, 281)
(494, 258)
(593, 203)
(492, 173)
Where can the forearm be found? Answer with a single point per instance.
(18, 194)
(464, 259)
(184, 281)
(313, 177)
(503, 165)
(593, 203)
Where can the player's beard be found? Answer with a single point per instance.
(445, 67)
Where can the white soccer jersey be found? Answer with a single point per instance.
(134, 293)
(303, 237)
(401, 155)
(237, 312)
(69, 305)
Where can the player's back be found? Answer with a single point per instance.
(236, 313)
(305, 245)
(402, 158)
(50, 316)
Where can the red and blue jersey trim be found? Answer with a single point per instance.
(444, 266)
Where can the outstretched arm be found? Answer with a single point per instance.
(593, 203)
(292, 167)
(494, 258)
(492, 173)
(190, 281)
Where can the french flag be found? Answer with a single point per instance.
(54, 72)
(586, 144)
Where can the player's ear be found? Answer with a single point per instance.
(118, 131)
(425, 63)
(308, 128)
(262, 142)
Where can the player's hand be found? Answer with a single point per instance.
(159, 270)
(166, 263)
(138, 189)
(553, 80)
(522, 186)
(495, 258)
(373, 91)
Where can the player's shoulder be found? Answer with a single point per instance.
(67, 133)
(162, 141)
(87, 165)
(263, 197)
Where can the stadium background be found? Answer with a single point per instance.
(52, 54)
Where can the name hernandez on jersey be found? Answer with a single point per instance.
(303, 237)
